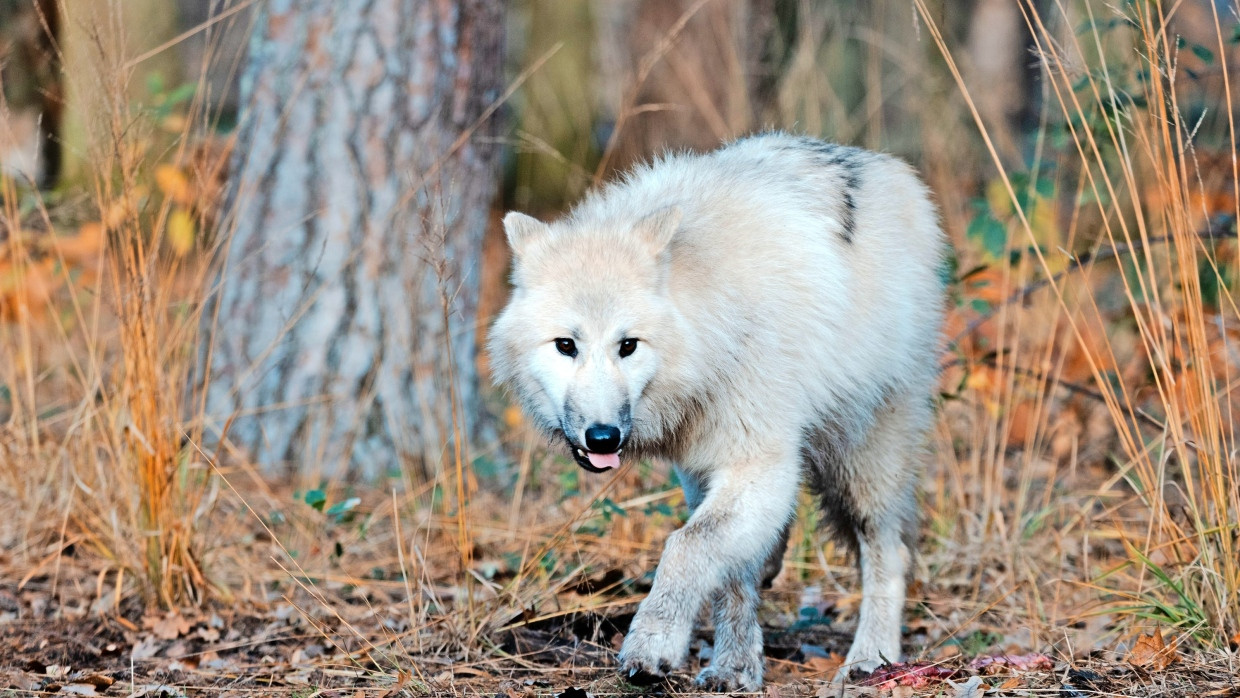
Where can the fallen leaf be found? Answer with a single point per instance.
(973, 688)
(889, 676)
(825, 665)
(146, 648)
(947, 652)
(96, 680)
(19, 680)
(1152, 652)
(170, 627)
(1089, 679)
(156, 691)
(1001, 663)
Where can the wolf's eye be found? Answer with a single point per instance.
(566, 347)
(627, 347)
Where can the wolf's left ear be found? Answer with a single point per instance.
(658, 228)
(521, 230)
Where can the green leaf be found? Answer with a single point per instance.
(1205, 54)
(569, 481)
(662, 508)
(181, 93)
(154, 83)
(989, 232)
(316, 498)
(1045, 187)
(339, 510)
(608, 508)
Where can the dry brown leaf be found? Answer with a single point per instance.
(1022, 423)
(1010, 684)
(1152, 652)
(96, 680)
(946, 652)
(171, 626)
(172, 181)
(83, 247)
(27, 290)
(825, 665)
(1002, 663)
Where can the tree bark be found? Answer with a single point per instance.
(345, 312)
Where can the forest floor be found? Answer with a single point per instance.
(305, 624)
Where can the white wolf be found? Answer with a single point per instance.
(758, 314)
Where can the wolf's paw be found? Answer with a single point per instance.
(729, 677)
(864, 658)
(649, 656)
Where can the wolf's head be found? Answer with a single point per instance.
(587, 328)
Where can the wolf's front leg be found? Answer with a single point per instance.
(727, 538)
(737, 663)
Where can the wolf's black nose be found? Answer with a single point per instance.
(602, 438)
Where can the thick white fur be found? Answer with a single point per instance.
(782, 333)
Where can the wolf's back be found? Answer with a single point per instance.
(812, 269)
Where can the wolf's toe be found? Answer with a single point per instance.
(640, 673)
(720, 679)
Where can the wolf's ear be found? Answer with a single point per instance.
(658, 228)
(521, 231)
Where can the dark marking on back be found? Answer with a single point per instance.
(848, 160)
(850, 207)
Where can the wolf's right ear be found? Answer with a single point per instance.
(658, 228)
(522, 230)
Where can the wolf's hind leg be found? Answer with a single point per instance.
(775, 560)
(884, 561)
(871, 494)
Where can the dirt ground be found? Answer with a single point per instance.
(61, 632)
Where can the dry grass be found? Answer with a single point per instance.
(1085, 488)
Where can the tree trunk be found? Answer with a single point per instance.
(345, 313)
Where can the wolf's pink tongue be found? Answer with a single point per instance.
(604, 460)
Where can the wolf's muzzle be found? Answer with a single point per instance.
(592, 457)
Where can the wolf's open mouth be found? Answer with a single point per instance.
(594, 462)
